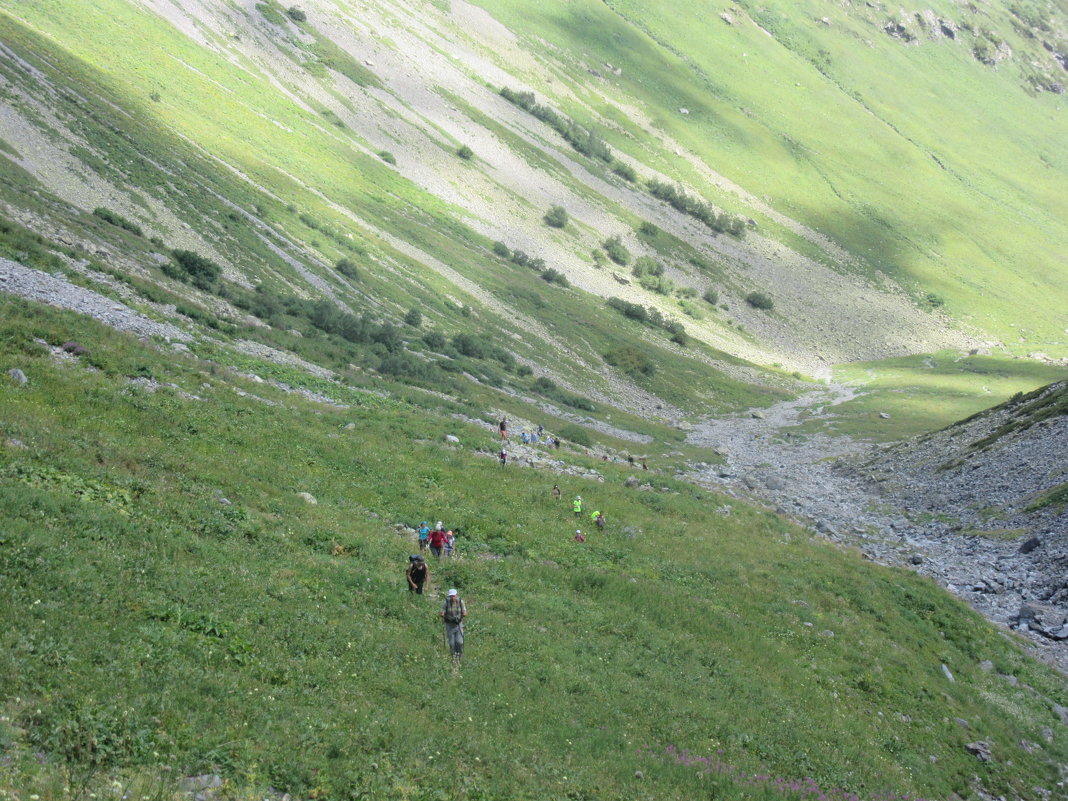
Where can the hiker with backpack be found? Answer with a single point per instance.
(598, 518)
(418, 574)
(503, 427)
(424, 535)
(503, 457)
(556, 492)
(453, 612)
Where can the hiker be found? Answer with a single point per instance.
(418, 573)
(437, 540)
(576, 505)
(503, 426)
(503, 456)
(578, 536)
(533, 437)
(556, 492)
(450, 543)
(424, 534)
(600, 521)
(453, 612)
(556, 442)
(644, 465)
(594, 516)
(525, 437)
(541, 429)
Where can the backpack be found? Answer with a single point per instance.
(454, 611)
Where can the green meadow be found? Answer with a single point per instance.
(175, 608)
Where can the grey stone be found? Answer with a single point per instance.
(1030, 545)
(986, 666)
(195, 784)
(948, 675)
(452, 438)
(632, 482)
(759, 415)
(17, 376)
(307, 497)
(981, 749)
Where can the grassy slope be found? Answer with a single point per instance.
(272, 641)
(769, 112)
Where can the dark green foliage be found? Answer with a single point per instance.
(270, 13)
(632, 361)
(616, 251)
(555, 277)
(118, 220)
(696, 208)
(711, 295)
(387, 157)
(644, 265)
(469, 345)
(648, 230)
(296, 14)
(520, 258)
(203, 272)
(556, 217)
(465, 152)
(934, 300)
(760, 300)
(624, 171)
(414, 318)
(435, 340)
(583, 140)
(501, 249)
(347, 267)
(632, 310)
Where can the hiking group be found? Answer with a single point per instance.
(441, 542)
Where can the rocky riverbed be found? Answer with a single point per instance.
(879, 500)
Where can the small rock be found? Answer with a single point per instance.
(631, 482)
(16, 443)
(194, 784)
(981, 749)
(758, 415)
(350, 426)
(75, 348)
(308, 497)
(452, 438)
(1030, 545)
(948, 674)
(986, 666)
(916, 559)
(18, 376)
(827, 633)
(225, 501)
(639, 775)
(884, 415)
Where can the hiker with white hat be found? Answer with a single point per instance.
(453, 612)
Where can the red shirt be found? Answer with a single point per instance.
(437, 538)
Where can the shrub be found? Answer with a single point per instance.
(934, 300)
(711, 296)
(630, 310)
(435, 340)
(660, 284)
(760, 300)
(613, 246)
(648, 230)
(387, 157)
(644, 265)
(347, 267)
(598, 257)
(201, 271)
(414, 318)
(469, 345)
(624, 171)
(632, 361)
(544, 384)
(524, 370)
(686, 292)
(520, 258)
(296, 14)
(555, 277)
(465, 153)
(118, 220)
(556, 217)
(502, 250)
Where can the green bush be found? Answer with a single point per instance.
(465, 153)
(644, 265)
(632, 361)
(686, 292)
(616, 251)
(347, 267)
(648, 230)
(632, 310)
(469, 345)
(760, 300)
(387, 157)
(501, 249)
(203, 272)
(296, 14)
(118, 220)
(711, 296)
(414, 318)
(624, 171)
(435, 340)
(556, 217)
(555, 277)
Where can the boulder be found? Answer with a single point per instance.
(758, 415)
(307, 497)
(452, 438)
(981, 749)
(16, 375)
(632, 482)
(1030, 545)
